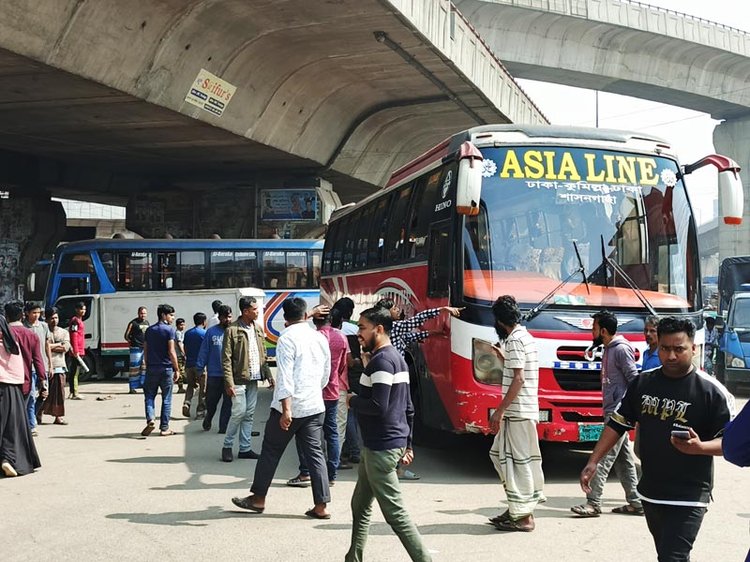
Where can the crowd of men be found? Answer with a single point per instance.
(337, 384)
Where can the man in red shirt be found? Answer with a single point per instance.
(339, 347)
(77, 346)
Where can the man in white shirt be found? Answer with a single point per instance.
(303, 364)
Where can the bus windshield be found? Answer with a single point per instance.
(540, 203)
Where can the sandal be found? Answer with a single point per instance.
(298, 481)
(503, 517)
(166, 432)
(311, 513)
(514, 526)
(148, 429)
(586, 510)
(628, 510)
(244, 503)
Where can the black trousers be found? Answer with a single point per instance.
(309, 434)
(674, 529)
(214, 392)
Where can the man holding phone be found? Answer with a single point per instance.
(682, 412)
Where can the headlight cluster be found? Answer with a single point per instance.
(736, 362)
(488, 367)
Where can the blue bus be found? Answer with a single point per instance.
(282, 268)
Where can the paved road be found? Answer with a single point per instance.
(104, 492)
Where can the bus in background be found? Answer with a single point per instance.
(282, 268)
(567, 220)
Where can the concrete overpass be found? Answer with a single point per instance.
(631, 48)
(306, 94)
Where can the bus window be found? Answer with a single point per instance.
(134, 271)
(79, 263)
(361, 235)
(246, 272)
(439, 260)
(397, 233)
(193, 270)
(329, 247)
(108, 263)
(296, 270)
(274, 269)
(222, 270)
(422, 214)
(376, 243)
(350, 241)
(316, 259)
(338, 243)
(166, 270)
(67, 309)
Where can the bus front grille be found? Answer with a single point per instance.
(573, 379)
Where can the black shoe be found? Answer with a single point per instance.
(206, 424)
(248, 455)
(226, 454)
(222, 431)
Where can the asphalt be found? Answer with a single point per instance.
(106, 493)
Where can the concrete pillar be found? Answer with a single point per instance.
(30, 226)
(732, 139)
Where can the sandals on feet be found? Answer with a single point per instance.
(628, 510)
(586, 510)
(298, 482)
(511, 526)
(311, 513)
(503, 517)
(148, 429)
(166, 432)
(244, 503)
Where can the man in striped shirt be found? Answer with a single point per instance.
(515, 451)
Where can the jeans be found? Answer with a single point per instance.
(214, 392)
(620, 457)
(156, 380)
(353, 439)
(31, 401)
(243, 409)
(674, 529)
(377, 479)
(308, 432)
(331, 436)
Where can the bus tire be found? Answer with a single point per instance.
(105, 368)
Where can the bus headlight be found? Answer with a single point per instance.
(488, 367)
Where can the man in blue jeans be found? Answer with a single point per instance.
(209, 357)
(162, 369)
(243, 360)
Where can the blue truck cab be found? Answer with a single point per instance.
(735, 342)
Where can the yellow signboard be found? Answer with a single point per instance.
(210, 93)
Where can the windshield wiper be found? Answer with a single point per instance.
(617, 269)
(534, 312)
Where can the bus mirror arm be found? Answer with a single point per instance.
(731, 193)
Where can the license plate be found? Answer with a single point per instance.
(590, 432)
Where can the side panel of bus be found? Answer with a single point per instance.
(274, 314)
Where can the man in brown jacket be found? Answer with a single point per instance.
(244, 364)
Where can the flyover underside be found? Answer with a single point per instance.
(97, 90)
(536, 43)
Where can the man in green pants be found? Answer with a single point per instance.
(385, 415)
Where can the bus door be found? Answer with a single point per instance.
(72, 284)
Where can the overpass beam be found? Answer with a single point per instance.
(732, 138)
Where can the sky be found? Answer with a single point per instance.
(690, 132)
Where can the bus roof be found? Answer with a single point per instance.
(188, 244)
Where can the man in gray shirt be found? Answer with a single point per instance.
(618, 369)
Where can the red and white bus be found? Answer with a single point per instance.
(568, 220)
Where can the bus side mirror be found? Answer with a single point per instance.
(731, 196)
(469, 185)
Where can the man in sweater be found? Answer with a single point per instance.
(297, 410)
(385, 415)
(618, 371)
(209, 358)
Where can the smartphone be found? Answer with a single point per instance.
(681, 434)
